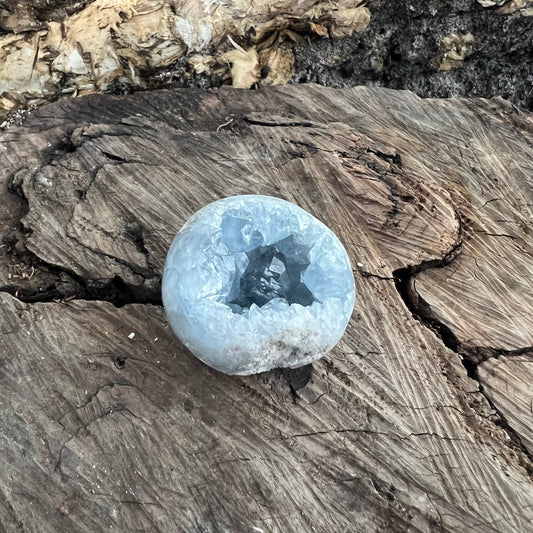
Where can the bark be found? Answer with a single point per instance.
(61, 48)
(104, 43)
(389, 432)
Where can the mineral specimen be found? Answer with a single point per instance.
(254, 282)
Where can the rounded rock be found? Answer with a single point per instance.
(254, 282)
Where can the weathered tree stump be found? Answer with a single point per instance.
(103, 429)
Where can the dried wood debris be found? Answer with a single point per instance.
(110, 41)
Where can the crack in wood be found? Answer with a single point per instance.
(469, 355)
(363, 431)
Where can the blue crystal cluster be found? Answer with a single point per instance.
(255, 282)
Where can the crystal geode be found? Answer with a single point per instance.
(255, 282)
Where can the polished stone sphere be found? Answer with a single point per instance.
(254, 282)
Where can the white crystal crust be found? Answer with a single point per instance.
(207, 255)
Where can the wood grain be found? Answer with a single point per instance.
(138, 434)
(508, 381)
(387, 433)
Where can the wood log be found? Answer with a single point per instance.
(389, 432)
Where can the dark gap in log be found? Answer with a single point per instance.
(70, 287)
(404, 280)
(66, 285)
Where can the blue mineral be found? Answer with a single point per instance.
(255, 282)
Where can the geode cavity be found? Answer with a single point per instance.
(254, 282)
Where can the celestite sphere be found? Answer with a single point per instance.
(254, 282)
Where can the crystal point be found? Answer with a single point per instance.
(255, 282)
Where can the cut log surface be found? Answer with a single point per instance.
(509, 383)
(109, 422)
